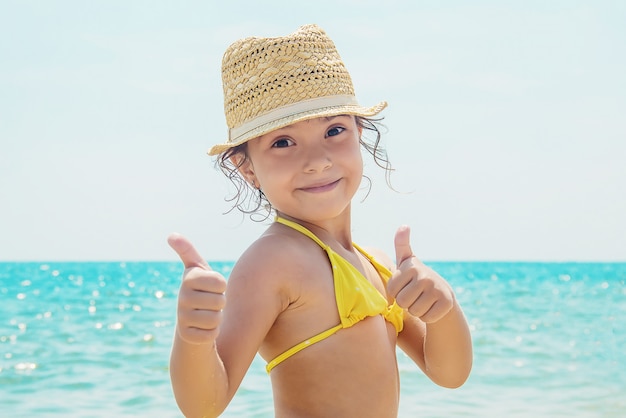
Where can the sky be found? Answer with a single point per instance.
(506, 125)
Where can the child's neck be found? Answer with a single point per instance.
(338, 229)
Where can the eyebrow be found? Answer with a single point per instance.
(290, 127)
(329, 118)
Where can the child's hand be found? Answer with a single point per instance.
(417, 288)
(201, 297)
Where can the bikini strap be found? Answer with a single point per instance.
(299, 347)
(382, 270)
(303, 230)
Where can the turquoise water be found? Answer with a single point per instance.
(93, 340)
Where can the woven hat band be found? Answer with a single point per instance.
(235, 134)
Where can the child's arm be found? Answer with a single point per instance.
(213, 349)
(435, 335)
(199, 379)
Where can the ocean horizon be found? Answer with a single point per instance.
(92, 339)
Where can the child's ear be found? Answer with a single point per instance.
(358, 126)
(245, 168)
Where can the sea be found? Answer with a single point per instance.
(92, 339)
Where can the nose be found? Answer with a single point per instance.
(317, 159)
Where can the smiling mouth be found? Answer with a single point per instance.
(321, 187)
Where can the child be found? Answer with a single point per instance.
(325, 314)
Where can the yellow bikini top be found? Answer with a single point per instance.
(356, 297)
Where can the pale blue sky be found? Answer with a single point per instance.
(506, 122)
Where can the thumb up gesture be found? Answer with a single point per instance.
(201, 297)
(416, 287)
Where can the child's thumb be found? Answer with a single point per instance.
(402, 244)
(187, 252)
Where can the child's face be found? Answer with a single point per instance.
(309, 170)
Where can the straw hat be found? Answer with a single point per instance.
(270, 83)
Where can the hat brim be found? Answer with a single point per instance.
(298, 117)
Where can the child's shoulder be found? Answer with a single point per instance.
(381, 257)
(279, 241)
(276, 255)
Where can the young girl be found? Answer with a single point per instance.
(324, 313)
